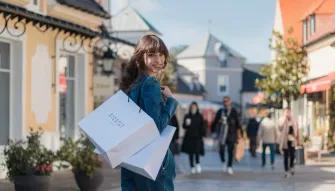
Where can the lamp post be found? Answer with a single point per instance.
(107, 61)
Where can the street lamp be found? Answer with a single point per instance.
(108, 60)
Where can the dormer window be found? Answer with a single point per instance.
(312, 24)
(221, 54)
(305, 30)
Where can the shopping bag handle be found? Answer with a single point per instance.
(139, 95)
(139, 106)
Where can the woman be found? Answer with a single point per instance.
(140, 82)
(288, 141)
(268, 135)
(193, 144)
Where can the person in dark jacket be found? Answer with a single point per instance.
(193, 144)
(174, 146)
(252, 132)
(228, 130)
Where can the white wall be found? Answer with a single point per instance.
(321, 61)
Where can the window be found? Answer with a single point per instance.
(223, 85)
(305, 30)
(67, 99)
(312, 24)
(35, 2)
(5, 75)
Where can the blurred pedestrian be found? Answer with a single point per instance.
(229, 131)
(268, 136)
(174, 146)
(193, 144)
(289, 140)
(252, 131)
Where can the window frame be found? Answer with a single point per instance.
(226, 83)
(10, 72)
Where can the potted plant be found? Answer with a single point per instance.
(29, 163)
(85, 163)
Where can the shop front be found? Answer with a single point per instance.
(320, 109)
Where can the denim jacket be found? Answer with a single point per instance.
(146, 93)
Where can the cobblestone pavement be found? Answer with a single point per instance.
(249, 175)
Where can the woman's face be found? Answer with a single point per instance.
(194, 108)
(154, 62)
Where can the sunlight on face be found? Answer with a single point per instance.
(154, 62)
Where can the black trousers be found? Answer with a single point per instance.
(191, 158)
(252, 145)
(231, 146)
(289, 156)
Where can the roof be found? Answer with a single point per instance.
(320, 7)
(250, 73)
(181, 70)
(326, 30)
(185, 84)
(89, 6)
(326, 8)
(189, 88)
(37, 19)
(131, 20)
(206, 48)
(292, 11)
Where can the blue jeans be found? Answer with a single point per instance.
(272, 153)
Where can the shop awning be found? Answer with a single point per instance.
(318, 85)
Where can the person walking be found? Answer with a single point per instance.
(252, 132)
(229, 131)
(289, 140)
(140, 82)
(193, 143)
(268, 136)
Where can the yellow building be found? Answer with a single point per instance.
(46, 66)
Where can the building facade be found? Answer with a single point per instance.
(313, 27)
(218, 67)
(46, 66)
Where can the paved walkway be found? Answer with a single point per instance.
(248, 176)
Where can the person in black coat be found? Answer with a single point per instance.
(174, 146)
(193, 144)
(252, 132)
(228, 129)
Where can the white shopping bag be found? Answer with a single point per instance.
(148, 161)
(119, 129)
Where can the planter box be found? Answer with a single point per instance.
(32, 183)
(89, 183)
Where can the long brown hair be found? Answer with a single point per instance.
(147, 44)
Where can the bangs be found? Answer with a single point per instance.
(155, 45)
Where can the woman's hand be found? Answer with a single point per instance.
(166, 91)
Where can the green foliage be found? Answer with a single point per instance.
(167, 77)
(80, 154)
(284, 76)
(28, 157)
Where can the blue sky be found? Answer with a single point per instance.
(244, 25)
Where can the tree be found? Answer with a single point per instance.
(168, 76)
(284, 76)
